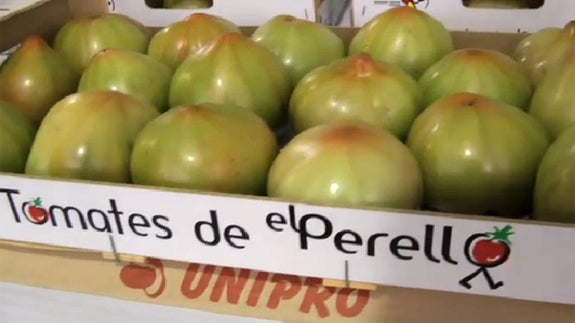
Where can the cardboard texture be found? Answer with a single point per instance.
(237, 291)
(478, 15)
(259, 294)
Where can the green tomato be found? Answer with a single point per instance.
(89, 136)
(16, 136)
(173, 43)
(357, 88)
(553, 102)
(478, 155)
(233, 69)
(206, 147)
(554, 197)
(302, 45)
(406, 36)
(349, 164)
(128, 72)
(545, 48)
(35, 77)
(82, 38)
(482, 71)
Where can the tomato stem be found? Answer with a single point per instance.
(37, 202)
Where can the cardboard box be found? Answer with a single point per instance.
(270, 274)
(460, 16)
(242, 13)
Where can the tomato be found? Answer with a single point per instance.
(16, 136)
(555, 184)
(347, 163)
(358, 87)
(543, 49)
(234, 69)
(82, 38)
(89, 136)
(302, 45)
(480, 71)
(173, 43)
(208, 147)
(405, 36)
(35, 77)
(478, 155)
(553, 102)
(128, 72)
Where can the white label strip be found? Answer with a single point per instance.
(527, 261)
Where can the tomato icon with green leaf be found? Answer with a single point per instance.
(35, 212)
(490, 249)
(487, 250)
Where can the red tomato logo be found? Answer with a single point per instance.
(489, 253)
(35, 212)
(148, 277)
(487, 250)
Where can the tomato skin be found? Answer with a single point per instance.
(128, 72)
(89, 135)
(555, 182)
(302, 45)
(234, 69)
(16, 136)
(81, 38)
(35, 77)
(476, 71)
(173, 43)
(544, 49)
(404, 36)
(489, 166)
(347, 163)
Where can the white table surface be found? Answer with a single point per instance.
(22, 304)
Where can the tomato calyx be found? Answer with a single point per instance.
(37, 202)
(501, 235)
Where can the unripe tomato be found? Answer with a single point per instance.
(302, 45)
(543, 49)
(89, 136)
(82, 38)
(234, 69)
(553, 102)
(357, 88)
(35, 77)
(406, 36)
(477, 70)
(555, 185)
(16, 136)
(478, 155)
(128, 72)
(347, 163)
(173, 43)
(206, 147)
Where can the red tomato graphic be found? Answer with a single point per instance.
(489, 249)
(36, 213)
(148, 276)
(489, 253)
(138, 277)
